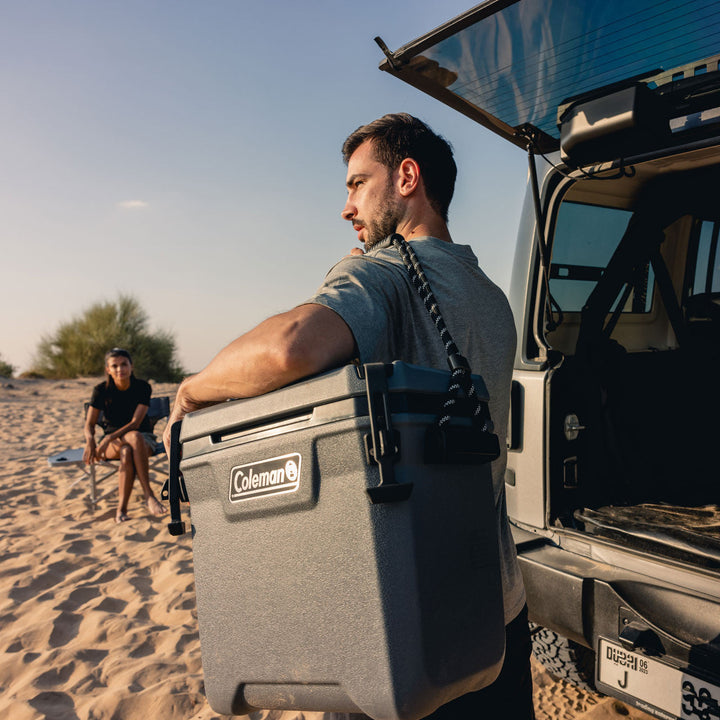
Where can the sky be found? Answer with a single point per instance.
(187, 153)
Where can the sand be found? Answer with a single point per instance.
(97, 620)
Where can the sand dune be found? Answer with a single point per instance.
(97, 620)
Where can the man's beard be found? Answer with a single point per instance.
(384, 225)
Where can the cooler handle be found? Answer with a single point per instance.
(177, 492)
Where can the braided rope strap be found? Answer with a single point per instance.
(461, 375)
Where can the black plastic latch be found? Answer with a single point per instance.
(176, 490)
(382, 445)
(460, 445)
(638, 636)
(457, 362)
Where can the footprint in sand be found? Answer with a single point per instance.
(143, 585)
(92, 656)
(184, 641)
(55, 704)
(112, 605)
(145, 649)
(55, 676)
(65, 628)
(78, 598)
(55, 574)
(24, 570)
(80, 547)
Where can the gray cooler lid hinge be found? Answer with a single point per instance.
(382, 444)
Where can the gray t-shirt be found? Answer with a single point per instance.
(373, 294)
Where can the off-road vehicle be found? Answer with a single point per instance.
(613, 480)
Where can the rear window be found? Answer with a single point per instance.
(519, 62)
(585, 239)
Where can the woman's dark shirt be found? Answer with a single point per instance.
(118, 406)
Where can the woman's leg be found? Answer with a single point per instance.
(141, 455)
(126, 476)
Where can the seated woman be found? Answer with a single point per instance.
(124, 400)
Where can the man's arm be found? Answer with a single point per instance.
(284, 348)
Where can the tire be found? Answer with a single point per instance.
(564, 659)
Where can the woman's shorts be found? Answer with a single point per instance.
(150, 441)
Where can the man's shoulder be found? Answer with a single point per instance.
(364, 267)
(432, 250)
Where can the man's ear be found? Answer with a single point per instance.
(408, 174)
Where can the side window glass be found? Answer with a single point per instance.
(707, 265)
(586, 237)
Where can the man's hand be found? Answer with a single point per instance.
(184, 403)
(357, 251)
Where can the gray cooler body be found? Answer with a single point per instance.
(311, 596)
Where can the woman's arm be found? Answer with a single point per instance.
(134, 424)
(91, 419)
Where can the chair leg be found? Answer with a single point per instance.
(93, 489)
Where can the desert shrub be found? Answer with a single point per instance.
(78, 347)
(6, 369)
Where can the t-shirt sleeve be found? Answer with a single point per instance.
(97, 399)
(365, 293)
(144, 392)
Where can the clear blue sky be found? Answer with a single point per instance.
(188, 154)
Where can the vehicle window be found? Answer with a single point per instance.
(707, 266)
(585, 239)
(524, 59)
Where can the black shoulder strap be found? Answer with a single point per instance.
(461, 374)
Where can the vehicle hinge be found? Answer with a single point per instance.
(386, 51)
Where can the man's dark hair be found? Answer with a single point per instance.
(399, 136)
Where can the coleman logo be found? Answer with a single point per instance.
(274, 476)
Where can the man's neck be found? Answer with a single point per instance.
(420, 219)
(411, 231)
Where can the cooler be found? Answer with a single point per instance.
(345, 555)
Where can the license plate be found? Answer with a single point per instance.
(655, 686)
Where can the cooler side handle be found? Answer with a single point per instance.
(176, 484)
(383, 443)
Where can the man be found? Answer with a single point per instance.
(400, 179)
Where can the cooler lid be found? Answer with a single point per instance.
(302, 397)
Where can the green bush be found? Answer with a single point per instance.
(6, 369)
(78, 347)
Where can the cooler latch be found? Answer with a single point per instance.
(382, 444)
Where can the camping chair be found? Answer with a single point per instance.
(159, 408)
